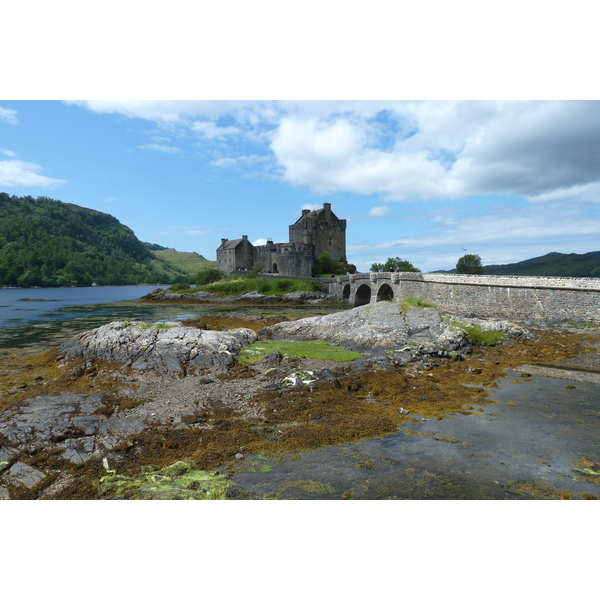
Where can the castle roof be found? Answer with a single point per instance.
(324, 213)
(231, 244)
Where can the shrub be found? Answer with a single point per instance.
(179, 287)
(478, 336)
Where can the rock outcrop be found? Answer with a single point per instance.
(167, 348)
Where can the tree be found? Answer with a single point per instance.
(208, 275)
(394, 264)
(469, 264)
(325, 265)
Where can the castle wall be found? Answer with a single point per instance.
(484, 296)
(286, 259)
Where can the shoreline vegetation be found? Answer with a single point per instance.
(191, 431)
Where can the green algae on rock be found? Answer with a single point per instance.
(178, 481)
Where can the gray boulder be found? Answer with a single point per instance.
(380, 327)
(169, 348)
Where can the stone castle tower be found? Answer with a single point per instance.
(315, 233)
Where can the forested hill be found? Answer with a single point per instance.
(47, 243)
(554, 264)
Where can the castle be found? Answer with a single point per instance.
(315, 233)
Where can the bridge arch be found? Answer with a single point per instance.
(346, 292)
(363, 295)
(385, 292)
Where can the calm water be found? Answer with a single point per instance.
(44, 318)
(526, 446)
(48, 316)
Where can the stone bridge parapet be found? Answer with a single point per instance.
(486, 296)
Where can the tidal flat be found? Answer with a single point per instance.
(476, 428)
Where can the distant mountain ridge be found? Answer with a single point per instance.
(554, 264)
(48, 243)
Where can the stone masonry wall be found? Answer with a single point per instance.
(486, 296)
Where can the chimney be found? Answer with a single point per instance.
(244, 237)
(223, 240)
(305, 212)
(327, 207)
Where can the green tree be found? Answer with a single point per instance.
(394, 264)
(469, 264)
(208, 275)
(325, 265)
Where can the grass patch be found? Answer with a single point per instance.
(318, 349)
(269, 286)
(415, 301)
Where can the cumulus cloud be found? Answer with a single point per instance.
(18, 172)
(8, 115)
(446, 150)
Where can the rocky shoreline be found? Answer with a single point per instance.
(128, 395)
(160, 295)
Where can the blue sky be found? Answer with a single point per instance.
(507, 180)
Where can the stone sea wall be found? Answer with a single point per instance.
(485, 296)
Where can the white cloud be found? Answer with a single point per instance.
(401, 150)
(196, 232)
(444, 150)
(209, 130)
(18, 172)
(311, 206)
(259, 242)
(161, 148)
(8, 115)
(7, 152)
(224, 163)
(238, 161)
(379, 211)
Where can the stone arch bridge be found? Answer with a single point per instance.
(485, 296)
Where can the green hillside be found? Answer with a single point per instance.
(554, 264)
(47, 243)
(189, 262)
